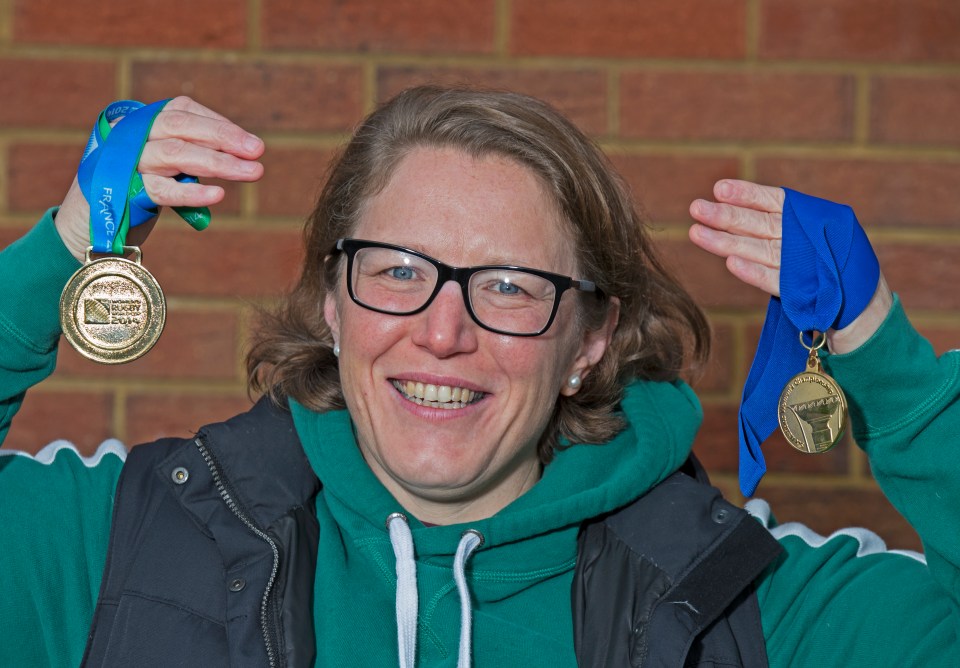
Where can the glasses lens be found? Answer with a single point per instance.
(512, 300)
(391, 280)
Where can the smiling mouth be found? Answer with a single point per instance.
(437, 396)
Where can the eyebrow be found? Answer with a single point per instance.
(496, 261)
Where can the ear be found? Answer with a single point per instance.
(592, 347)
(331, 313)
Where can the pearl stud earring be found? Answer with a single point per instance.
(336, 350)
(574, 382)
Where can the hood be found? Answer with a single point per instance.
(522, 571)
(581, 482)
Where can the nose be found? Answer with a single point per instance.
(445, 327)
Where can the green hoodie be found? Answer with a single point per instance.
(837, 601)
(519, 579)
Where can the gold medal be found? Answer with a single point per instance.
(112, 309)
(812, 410)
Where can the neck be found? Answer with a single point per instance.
(460, 505)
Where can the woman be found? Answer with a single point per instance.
(480, 296)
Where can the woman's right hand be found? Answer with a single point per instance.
(186, 138)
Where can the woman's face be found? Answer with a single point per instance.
(448, 465)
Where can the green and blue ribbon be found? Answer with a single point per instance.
(109, 179)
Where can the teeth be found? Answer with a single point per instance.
(437, 396)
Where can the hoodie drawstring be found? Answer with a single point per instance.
(469, 541)
(407, 599)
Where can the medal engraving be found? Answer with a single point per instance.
(813, 409)
(112, 310)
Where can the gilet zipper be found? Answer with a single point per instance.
(230, 500)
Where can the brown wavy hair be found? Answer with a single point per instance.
(661, 332)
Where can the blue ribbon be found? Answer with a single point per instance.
(109, 179)
(828, 275)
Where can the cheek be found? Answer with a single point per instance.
(367, 341)
(364, 336)
(363, 326)
(558, 350)
(539, 366)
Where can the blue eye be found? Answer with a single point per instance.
(401, 273)
(505, 288)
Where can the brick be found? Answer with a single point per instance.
(54, 93)
(84, 418)
(10, 233)
(889, 193)
(153, 416)
(827, 509)
(717, 447)
(407, 26)
(915, 110)
(580, 94)
(736, 106)
(921, 273)
(194, 345)
(718, 372)
(212, 24)
(716, 442)
(224, 263)
(707, 278)
(260, 96)
(869, 30)
(228, 206)
(751, 341)
(664, 185)
(218, 263)
(629, 29)
(292, 179)
(40, 174)
(942, 337)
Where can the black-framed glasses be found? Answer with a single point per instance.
(500, 298)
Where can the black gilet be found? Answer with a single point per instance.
(213, 551)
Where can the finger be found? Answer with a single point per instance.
(737, 219)
(757, 275)
(169, 157)
(750, 195)
(165, 191)
(765, 252)
(184, 103)
(215, 133)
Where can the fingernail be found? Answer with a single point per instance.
(251, 143)
(724, 189)
(704, 207)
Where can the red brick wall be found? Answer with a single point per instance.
(850, 100)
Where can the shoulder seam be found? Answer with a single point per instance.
(49, 452)
(867, 541)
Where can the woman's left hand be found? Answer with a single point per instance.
(745, 226)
